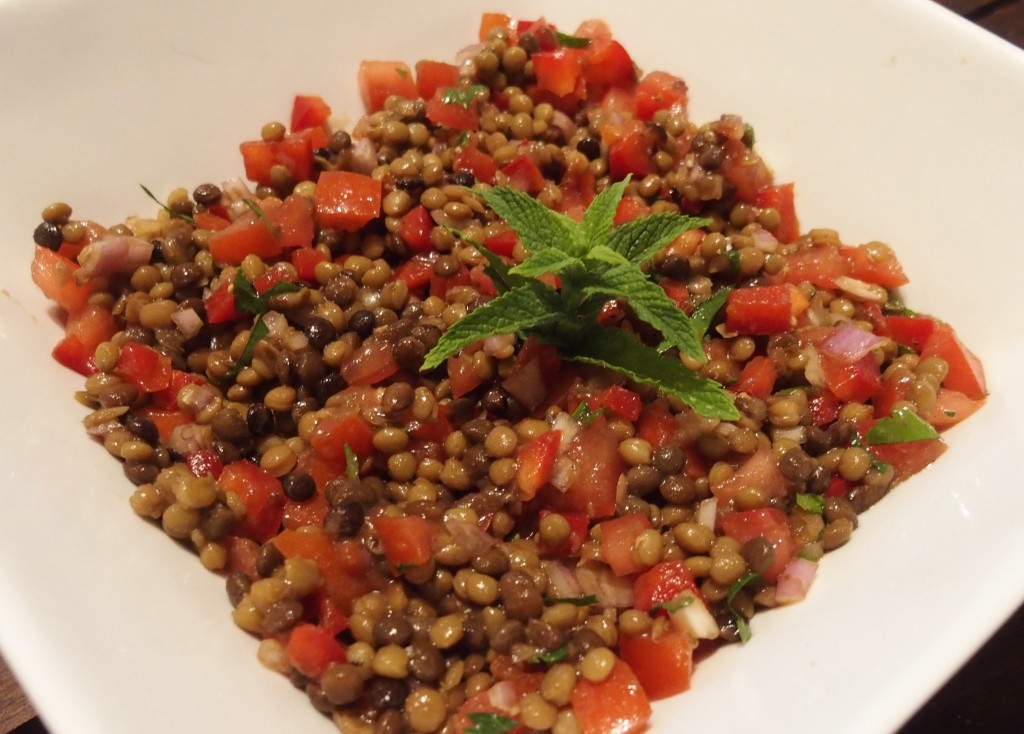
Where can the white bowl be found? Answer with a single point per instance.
(898, 121)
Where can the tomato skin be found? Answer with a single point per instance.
(346, 200)
(630, 154)
(865, 263)
(745, 170)
(378, 80)
(908, 458)
(857, 381)
(558, 71)
(659, 90)
(71, 353)
(617, 538)
(220, 304)
(662, 664)
(294, 151)
(523, 174)
(414, 228)
(570, 547)
(338, 428)
(617, 704)
(630, 208)
(594, 451)
(819, 266)
(452, 114)
(262, 495)
(757, 378)
(144, 367)
(910, 331)
(85, 330)
(760, 469)
(503, 243)
(406, 540)
(371, 363)
(950, 408)
(966, 373)
(55, 276)
(434, 75)
(209, 220)
(536, 461)
(305, 260)
(247, 235)
(780, 198)
(765, 309)
(656, 424)
(621, 401)
(768, 523)
(490, 21)
(311, 649)
(480, 164)
(606, 63)
(292, 221)
(416, 271)
(344, 564)
(309, 110)
(205, 462)
(662, 583)
(166, 420)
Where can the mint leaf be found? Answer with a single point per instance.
(485, 722)
(598, 219)
(641, 239)
(651, 303)
(605, 254)
(551, 656)
(810, 502)
(526, 307)
(351, 463)
(567, 41)
(704, 313)
(539, 228)
(742, 628)
(902, 426)
(496, 269)
(463, 96)
(248, 300)
(619, 350)
(584, 415)
(546, 261)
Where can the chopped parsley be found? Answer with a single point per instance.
(902, 426)
(484, 722)
(742, 628)
(176, 215)
(584, 415)
(567, 41)
(673, 606)
(463, 96)
(249, 301)
(550, 656)
(810, 502)
(579, 601)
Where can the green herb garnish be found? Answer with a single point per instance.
(462, 139)
(810, 502)
(704, 312)
(402, 72)
(176, 215)
(351, 463)
(742, 628)
(673, 606)
(579, 601)
(551, 656)
(258, 211)
(902, 426)
(246, 299)
(567, 41)
(876, 463)
(463, 96)
(584, 415)
(595, 262)
(487, 723)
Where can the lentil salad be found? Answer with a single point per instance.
(818, 453)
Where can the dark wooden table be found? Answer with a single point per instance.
(984, 697)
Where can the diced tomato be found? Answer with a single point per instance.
(292, 222)
(279, 273)
(579, 525)
(343, 564)
(757, 378)
(416, 271)
(503, 243)
(656, 424)
(595, 453)
(261, 493)
(414, 228)
(311, 511)
(768, 523)
(759, 470)
(631, 154)
(965, 374)
(910, 457)
(490, 21)
(309, 110)
(857, 381)
(480, 164)
(780, 198)
(951, 407)
(663, 663)
(144, 367)
(523, 174)
(305, 260)
(892, 390)
(209, 220)
(662, 583)
(205, 462)
(220, 304)
(441, 284)
(617, 538)
(247, 235)
(339, 428)
(617, 704)
(294, 151)
(501, 699)
(621, 401)
(371, 363)
(764, 309)
(242, 556)
(536, 461)
(71, 353)
(436, 428)
(434, 75)
(745, 170)
(606, 63)
(346, 200)
(406, 540)
(311, 650)
(168, 397)
(166, 420)
(379, 80)
(558, 71)
(463, 374)
(630, 208)
(540, 29)
(824, 408)
(55, 276)
(910, 331)
(91, 326)
(659, 90)
(819, 266)
(454, 115)
(875, 265)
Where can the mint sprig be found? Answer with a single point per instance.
(249, 301)
(595, 262)
(902, 426)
